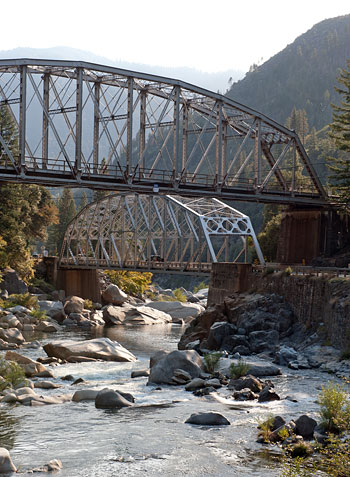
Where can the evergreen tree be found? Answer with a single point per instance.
(340, 133)
(66, 212)
(298, 122)
(25, 210)
(83, 200)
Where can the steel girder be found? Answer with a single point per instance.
(87, 125)
(156, 232)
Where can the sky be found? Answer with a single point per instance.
(210, 36)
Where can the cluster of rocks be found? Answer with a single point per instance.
(7, 467)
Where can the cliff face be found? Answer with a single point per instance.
(316, 302)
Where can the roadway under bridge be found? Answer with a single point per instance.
(85, 125)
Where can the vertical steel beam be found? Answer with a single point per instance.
(293, 168)
(142, 136)
(224, 149)
(45, 133)
(218, 168)
(176, 133)
(97, 91)
(129, 126)
(257, 156)
(184, 136)
(22, 117)
(78, 123)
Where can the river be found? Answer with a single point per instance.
(151, 437)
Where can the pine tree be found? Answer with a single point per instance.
(340, 133)
(9, 134)
(83, 201)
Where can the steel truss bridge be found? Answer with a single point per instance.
(156, 233)
(86, 125)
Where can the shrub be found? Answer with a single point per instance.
(288, 271)
(265, 428)
(300, 449)
(211, 361)
(42, 284)
(296, 468)
(199, 287)
(334, 408)
(238, 370)
(11, 373)
(27, 300)
(39, 315)
(179, 295)
(133, 283)
(88, 305)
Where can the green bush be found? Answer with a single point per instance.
(11, 373)
(199, 287)
(211, 362)
(179, 295)
(334, 408)
(288, 271)
(88, 305)
(25, 299)
(133, 283)
(42, 284)
(265, 428)
(39, 315)
(238, 370)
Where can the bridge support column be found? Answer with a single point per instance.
(79, 282)
(227, 278)
(309, 233)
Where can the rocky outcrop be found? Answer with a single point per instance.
(247, 324)
(12, 283)
(98, 348)
(163, 365)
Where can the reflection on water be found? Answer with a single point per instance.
(9, 425)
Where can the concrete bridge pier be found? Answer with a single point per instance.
(308, 233)
(75, 281)
(80, 282)
(227, 278)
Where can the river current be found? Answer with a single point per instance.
(149, 438)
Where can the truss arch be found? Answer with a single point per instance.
(158, 233)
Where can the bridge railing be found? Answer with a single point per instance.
(303, 270)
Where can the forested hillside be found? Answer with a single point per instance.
(303, 75)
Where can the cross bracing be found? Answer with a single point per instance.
(158, 233)
(87, 125)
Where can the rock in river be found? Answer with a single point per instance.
(208, 419)
(164, 364)
(6, 464)
(98, 348)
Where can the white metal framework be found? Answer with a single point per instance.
(87, 125)
(157, 232)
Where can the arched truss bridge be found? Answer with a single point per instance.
(86, 125)
(157, 233)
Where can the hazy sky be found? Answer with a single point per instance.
(211, 35)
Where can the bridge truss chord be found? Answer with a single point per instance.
(157, 233)
(86, 125)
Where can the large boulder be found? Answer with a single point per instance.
(98, 348)
(6, 464)
(164, 365)
(305, 426)
(208, 419)
(110, 399)
(12, 335)
(12, 283)
(132, 315)
(218, 332)
(74, 304)
(176, 309)
(114, 295)
(53, 309)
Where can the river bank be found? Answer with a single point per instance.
(151, 436)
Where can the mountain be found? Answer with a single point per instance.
(302, 75)
(212, 81)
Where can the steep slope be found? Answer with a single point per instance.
(302, 75)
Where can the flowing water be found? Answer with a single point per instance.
(149, 438)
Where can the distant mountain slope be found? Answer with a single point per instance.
(302, 75)
(212, 81)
